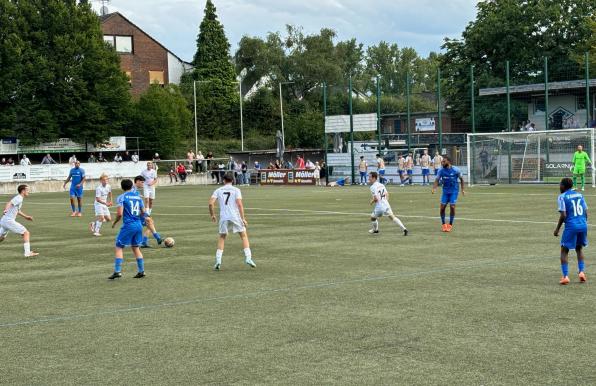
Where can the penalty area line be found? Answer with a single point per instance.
(328, 284)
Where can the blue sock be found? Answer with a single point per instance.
(145, 240)
(141, 264)
(565, 269)
(581, 265)
(451, 218)
(156, 236)
(443, 218)
(80, 209)
(72, 206)
(118, 264)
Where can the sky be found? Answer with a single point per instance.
(421, 24)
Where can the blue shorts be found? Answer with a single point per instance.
(401, 172)
(425, 172)
(363, 174)
(74, 192)
(381, 172)
(449, 197)
(573, 238)
(410, 172)
(341, 182)
(130, 235)
(436, 171)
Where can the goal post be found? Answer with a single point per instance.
(527, 157)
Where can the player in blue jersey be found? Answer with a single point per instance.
(76, 176)
(451, 179)
(147, 220)
(130, 210)
(574, 214)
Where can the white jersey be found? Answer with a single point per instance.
(380, 164)
(150, 176)
(379, 191)
(425, 161)
(226, 197)
(102, 192)
(17, 203)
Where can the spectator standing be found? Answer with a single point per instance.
(238, 173)
(257, 165)
(156, 158)
(25, 161)
(118, 158)
(300, 162)
(190, 157)
(134, 158)
(91, 159)
(245, 174)
(100, 157)
(48, 160)
(10, 162)
(3, 162)
(288, 165)
(173, 174)
(221, 167)
(126, 156)
(72, 160)
(363, 169)
(277, 164)
(317, 174)
(323, 172)
(200, 162)
(410, 168)
(209, 158)
(310, 165)
(182, 172)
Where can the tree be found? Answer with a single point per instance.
(215, 75)
(59, 78)
(162, 120)
(523, 32)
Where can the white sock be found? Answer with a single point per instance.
(218, 255)
(27, 248)
(98, 226)
(398, 222)
(375, 225)
(247, 254)
(149, 211)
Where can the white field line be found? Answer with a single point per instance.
(327, 212)
(328, 284)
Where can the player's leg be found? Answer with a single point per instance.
(3, 234)
(151, 227)
(398, 222)
(118, 260)
(72, 205)
(221, 242)
(574, 180)
(374, 221)
(246, 249)
(98, 223)
(564, 265)
(583, 180)
(20, 229)
(140, 262)
(581, 263)
(80, 203)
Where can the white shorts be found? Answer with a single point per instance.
(382, 211)
(101, 210)
(236, 226)
(149, 192)
(11, 226)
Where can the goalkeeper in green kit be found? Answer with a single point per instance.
(580, 160)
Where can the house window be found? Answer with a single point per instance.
(539, 105)
(124, 44)
(581, 102)
(156, 77)
(109, 39)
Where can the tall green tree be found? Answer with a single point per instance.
(217, 95)
(64, 80)
(162, 120)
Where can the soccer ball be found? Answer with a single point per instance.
(169, 242)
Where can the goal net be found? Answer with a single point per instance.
(526, 157)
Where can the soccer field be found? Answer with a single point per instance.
(327, 304)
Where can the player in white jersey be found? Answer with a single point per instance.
(231, 216)
(8, 223)
(380, 199)
(103, 202)
(150, 175)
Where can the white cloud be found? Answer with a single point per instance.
(422, 24)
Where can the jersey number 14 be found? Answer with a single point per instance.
(135, 208)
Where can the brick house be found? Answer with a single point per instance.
(142, 58)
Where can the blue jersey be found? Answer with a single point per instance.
(131, 204)
(76, 176)
(574, 206)
(449, 177)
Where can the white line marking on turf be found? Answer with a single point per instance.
(264, 292)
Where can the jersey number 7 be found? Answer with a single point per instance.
(228, 194)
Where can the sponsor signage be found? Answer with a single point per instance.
(557, 169)
(113, 144)
(287, 177)
(63, 145)
(425, 124)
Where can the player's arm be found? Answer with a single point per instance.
(82, 181)
(241, 210)
(8, 206)
(212, 208)
(436, 183)
(154, 182)
(562, 217)
(25, 216)
(118, 216)
(461, 184)
(67, 180)
(110, 199)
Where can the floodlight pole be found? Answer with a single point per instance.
(351, 130)
(379, 112)
(241, 118)
(281, 113)
(194, 89)
(588, 112)
(324, 133)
